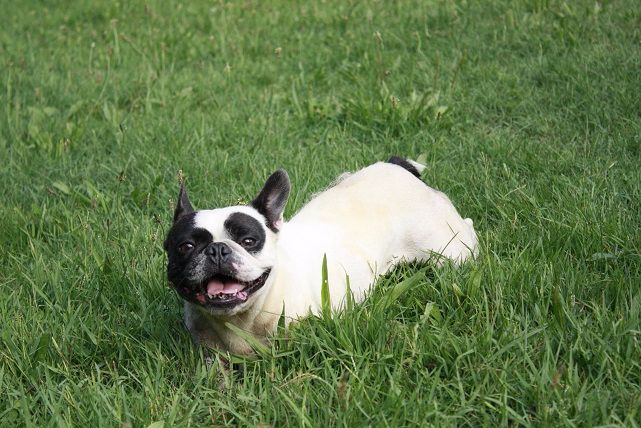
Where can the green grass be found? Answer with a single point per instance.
(529, 114)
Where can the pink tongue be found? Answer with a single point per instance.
(232, 288)
(215, 287)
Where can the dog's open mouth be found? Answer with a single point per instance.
(223, 291)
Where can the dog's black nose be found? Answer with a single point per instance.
(218, 251)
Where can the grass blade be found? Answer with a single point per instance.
(260, 348)
(326, 304)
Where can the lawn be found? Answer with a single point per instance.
(528, 114)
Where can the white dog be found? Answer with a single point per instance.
(243, 265)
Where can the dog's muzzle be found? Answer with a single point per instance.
(221, 291)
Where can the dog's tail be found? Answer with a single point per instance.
(412, 166)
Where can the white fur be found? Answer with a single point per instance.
(368, 222)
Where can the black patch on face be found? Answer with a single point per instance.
(181, 265)
(241, 226)
(182, 230)
(404, 164)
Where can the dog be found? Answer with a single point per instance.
(245, 266)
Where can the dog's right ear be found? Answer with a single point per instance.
(183, 207)
(272, 199)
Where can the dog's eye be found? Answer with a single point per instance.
(248, 242)
(185, 247)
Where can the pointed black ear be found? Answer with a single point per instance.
(183, 206)
(272, 199)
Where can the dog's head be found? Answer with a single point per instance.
(220, 259)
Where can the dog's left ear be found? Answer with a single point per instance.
(272, 199)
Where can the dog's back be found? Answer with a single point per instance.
(365, 224)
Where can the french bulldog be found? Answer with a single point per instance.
(245, 266)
